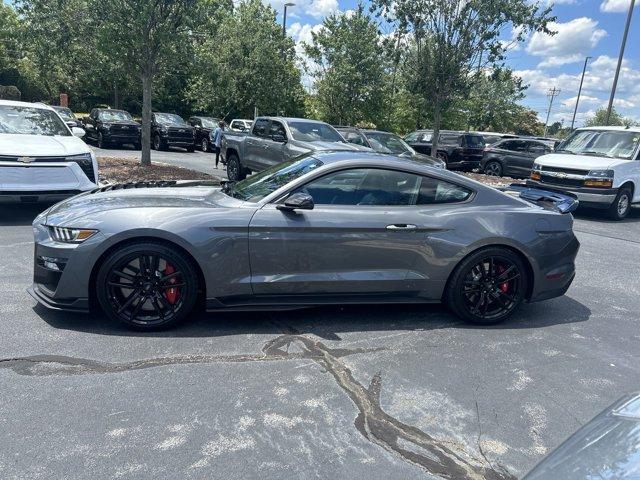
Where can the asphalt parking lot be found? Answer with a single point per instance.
(385, 392)
(177, 157)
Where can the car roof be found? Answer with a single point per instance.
(15, 103)
(293, 119)
(370, 130)
(612, 128)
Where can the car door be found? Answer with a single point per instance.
(365, 235)
(255, 144)
(521, 158)
(274, 150)
(534, 150)
(512, 151)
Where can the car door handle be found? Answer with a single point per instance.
(401, 226)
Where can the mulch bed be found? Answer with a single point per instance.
(118, 170)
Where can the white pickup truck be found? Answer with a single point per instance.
(600, 165)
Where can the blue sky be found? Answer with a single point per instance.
(585, 28)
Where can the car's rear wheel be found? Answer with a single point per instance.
(204, 145)
(488, 286)
(493, 169)
(621, 206)
(147, 286)
(235, 171)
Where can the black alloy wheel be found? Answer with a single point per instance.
(488, 286)
(493, 169)
(235, 172)
(147, 286)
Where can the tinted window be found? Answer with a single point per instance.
(474, 141)
(261, 128)
(507, 145)
(364, 186)
(31, 121)
(355, 138)
(537, 147)
(314, 132)
(278, 129)
(388, 143)
(425, 137)
(450, 139)
(435, 191)
(412, 137)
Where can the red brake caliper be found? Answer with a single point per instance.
(503, 286)
(171, 294)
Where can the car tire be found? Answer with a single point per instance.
(470, 292)
(493, 168)
(149, 304)
(235, 170)
(621, 206)
(158, 143)
(191, 149)
(137, 146)
(204, 145)
(102, 143)
(443, 156)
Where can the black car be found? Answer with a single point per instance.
(513, 157)
(203, 127)
(108, 127)
(459, 150)
(68, 116)
(170, 130)
(385, 142)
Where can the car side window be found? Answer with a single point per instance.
(412, 137)
(426, 137)
(277, 129)
(261, 128)
(435, 191)
(539, 148)
(451, 140)
(355, 138)
(508, 145)
(364, 186)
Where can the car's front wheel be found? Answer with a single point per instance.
(147, 285)
(235, 171)
(493, 169)
(488, 286)
(204, 145)
(621, 206)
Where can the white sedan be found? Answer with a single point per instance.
(41, 158)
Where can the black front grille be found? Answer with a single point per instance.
(176, 134)
(572, 171)
(85, 164)
(565, 182)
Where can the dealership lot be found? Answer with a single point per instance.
(277, 394)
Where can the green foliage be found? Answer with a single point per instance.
(349, 69)
(246, 64)
(10, 92)
(615, 119)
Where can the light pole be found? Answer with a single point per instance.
(615, 78)
(575, 111)
(284, 19)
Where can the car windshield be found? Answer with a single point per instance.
(114, 115)
(65, 113)
(607, 143)
(169, 119)
(314, 132)
(31, 121)
(209, 122)
(258, 186)
(388, 143)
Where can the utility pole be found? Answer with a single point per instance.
(575, 111)
(284, 22)
(615, 78)
(553, 93)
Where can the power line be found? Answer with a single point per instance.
(552, 94)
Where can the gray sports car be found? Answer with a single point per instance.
(326, 228)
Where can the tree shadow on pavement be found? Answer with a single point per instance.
(598, 215)
(324, 322)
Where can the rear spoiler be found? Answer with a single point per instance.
(563, 202)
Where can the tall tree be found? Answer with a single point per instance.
(244, 64)
(146, 36)
(349, 68)
(599, 117)
(452, 38)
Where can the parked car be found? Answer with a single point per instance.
(605, 448)
(459, 150)
(170, 130)
(240, 125)
(385, 142)
(492, 137)
(68, 116)
(513, 157)
(203, 127)
(324, 228)
(273, 140)
(108, 127)
(601, 165)
(41, 158)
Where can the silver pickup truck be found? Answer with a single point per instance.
(273, 140)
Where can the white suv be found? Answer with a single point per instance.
(41, 159)
(600, 165)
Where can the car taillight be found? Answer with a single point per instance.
(535, 176)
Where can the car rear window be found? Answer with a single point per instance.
(474, 141)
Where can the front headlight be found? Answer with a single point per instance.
(83, 158)
(599, 179)
(106, 126)
(601, 174)
(71, 235)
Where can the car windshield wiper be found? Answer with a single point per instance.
(593, 153)
(563, 150)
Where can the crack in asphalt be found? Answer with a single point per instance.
(436, 457)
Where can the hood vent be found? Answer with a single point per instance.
(129, 185)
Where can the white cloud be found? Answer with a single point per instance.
(321, 8)
(615, 6)
(571, 42)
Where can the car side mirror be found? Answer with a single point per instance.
(78, 132)
(278, 137)
(297, 201)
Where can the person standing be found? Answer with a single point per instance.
(216, 139)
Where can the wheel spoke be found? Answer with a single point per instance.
(132, 296)
(165, 302)
(121, 274)
(122, 285)
(156, 307)
(505, 273)
(172, 285)
(513, 277)
(170, 276)
(136, 309)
